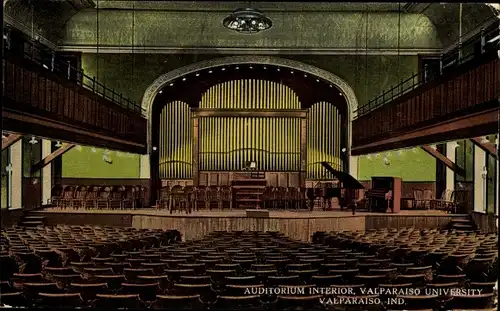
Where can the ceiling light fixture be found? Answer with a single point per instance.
(247, 21)
(33, 140)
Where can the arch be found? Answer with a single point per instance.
(162, 81)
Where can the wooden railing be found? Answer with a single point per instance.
(43, 93)
(471, 88)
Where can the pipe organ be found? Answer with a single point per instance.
(176, 145)
(228, 143)
(324, 140)
(250, 94)
(259, 121)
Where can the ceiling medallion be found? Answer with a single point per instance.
(247, 21)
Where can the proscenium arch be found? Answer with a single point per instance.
(162, 81)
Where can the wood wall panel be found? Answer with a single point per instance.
(485, 222)
(31, 89)
(473, 85)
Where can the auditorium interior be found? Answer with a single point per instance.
(250, 155)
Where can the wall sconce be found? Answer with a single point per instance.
(58, 144)
(344, 150)
(154, 148)
(93, 149)
(484, 173)
(33, 140)
(387, 161)
(454, 145)
(106, 158)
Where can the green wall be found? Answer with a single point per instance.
(411, 165)
(83, 162)
(129, 74)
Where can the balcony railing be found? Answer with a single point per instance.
(46, 59)
(474, 47)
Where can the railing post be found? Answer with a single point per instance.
(52, 61)
(483, 41)
(441, 64)
(459, 53)
(113, 95)
(93, 84)
(69, 69)
(425, 72)
(121, 99)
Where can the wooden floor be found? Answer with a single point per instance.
(298, 225)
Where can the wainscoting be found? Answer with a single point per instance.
(297, 225)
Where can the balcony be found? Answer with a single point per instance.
(59, 102)
(462, 102)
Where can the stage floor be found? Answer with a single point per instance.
(299, 225)
(242, 213)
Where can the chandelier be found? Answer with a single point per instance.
(247, 21)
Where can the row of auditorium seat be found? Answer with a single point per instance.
(98, 197)
(126, 267)
(188, 198)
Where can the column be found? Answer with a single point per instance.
(46, 172)
(195, 150)
(16, 159)
(303, 152)
(479, 180)
(450, 175)
(144, 169)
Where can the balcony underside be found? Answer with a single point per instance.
(469, 125)
(39, 125)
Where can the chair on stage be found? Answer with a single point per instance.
(179, 200)
(199, 197)
(211, 196)
(225, 197)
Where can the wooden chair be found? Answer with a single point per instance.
(179, 199)
(428, 197)
(116, 197)
(67, 197)
(418, 196)
(56, 195)
(199, 197)
(80, 195)
(91, 197)
(129, 200)
(212, 196)
(163, 201)
(225, 197)
(444, 202)
(102, 200)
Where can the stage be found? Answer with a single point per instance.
(295, 224)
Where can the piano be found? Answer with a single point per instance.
(342, 189)
(384, 195)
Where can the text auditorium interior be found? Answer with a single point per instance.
(250, 155)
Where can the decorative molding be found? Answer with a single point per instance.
(162, 81)
(246, 50)
(249, 113)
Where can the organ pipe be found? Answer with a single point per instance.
(175, 149)
(228, 143)
(250, 94)
(323, 140)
